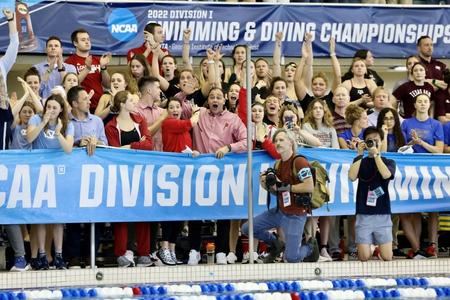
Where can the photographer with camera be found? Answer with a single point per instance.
(373, 208)
(293, 203)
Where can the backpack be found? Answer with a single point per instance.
(321, 193)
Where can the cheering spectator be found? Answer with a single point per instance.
(70, 80)
(138, 67)
(53, 69)
(355, 116)
(154, 36)
(129, 130)
(91, 70)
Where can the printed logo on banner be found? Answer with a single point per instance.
(122, 24)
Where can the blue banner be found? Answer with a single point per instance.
(117, 27)
(45, 186)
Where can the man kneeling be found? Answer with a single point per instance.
(373, 205)
(293, 203)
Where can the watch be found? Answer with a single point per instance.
(103, 68)
(62, 69)
(229, 148)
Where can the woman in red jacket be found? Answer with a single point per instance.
(176, 137)
(129, 130)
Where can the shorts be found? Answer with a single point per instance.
(373, 229)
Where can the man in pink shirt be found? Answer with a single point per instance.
(218, 131)
(153, 114)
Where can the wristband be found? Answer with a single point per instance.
(210, 61)
(103, 68)
(62, 69)
(229, 148)
(358, 158)
(10, 20)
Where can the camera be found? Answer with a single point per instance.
(303, 200)
(289, 121)
(371, 143)
(271, 178)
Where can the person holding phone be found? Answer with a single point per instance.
(373, 207)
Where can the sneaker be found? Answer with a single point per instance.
(43, 262)
(221, 258)
(256, 258)
(232, 258)
(352, 255)
(398, 253)
(324, 256)
(276, 248)
(59, 262)
(20, 264)
(156, 261)
(431, 251)
(175, 259)
(420, 254)
(34, 262)
(337, 256)
(126, 260)
(74, 263)
(165, 257)
(144, 261)
(314, 256)
(194, 257)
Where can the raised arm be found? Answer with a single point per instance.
(277, 55)
(335, 64)
(308, 71)
(154, 69)
(207, 85)
(186, 49)
(299, 84)
(36, 101)
(104, 62)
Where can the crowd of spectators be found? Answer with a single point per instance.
(156, 103)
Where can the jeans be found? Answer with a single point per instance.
(292, 226)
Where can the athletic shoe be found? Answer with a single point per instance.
(231, 258)
(398, 253)
(156, 261)
(74, 263)
(194, 257)
(59, 262)
(43, 262)
(165, 257)
(221, 258)
(276, 247)
(259, 259)
(175, 259)
(353, 255)
(34, 262)
(324, 256)
(337, 256)
(20, 264)
(144, 261)
(314, 256)
(126, 260)
(431, 251)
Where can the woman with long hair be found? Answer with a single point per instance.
(119, 82)
(70, 80)
(368, 58)
(138, 67)
(318, 121)
(129, 130)
(51, 130)
(389, 123)
(290, 121)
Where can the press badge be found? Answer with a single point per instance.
(286, 198)
(372, 196)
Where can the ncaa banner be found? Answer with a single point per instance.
(48, 186)
(117, 27)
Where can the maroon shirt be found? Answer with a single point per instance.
(407, 92)
(339, 123)
(441, 103)
(434, 68)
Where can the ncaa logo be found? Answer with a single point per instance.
(122, 24)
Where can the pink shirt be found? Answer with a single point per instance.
(215, 131)
(150, 114)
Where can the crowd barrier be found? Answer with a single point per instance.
(390, 32)
(49, 186)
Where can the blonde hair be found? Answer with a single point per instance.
(352, 113)
(327, 116)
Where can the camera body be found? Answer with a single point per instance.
(271, 178)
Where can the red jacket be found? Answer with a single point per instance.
(112, 132)
(242, 113)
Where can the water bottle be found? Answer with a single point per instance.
(210, 253)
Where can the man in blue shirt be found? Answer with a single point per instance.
(53, 69)
(89, 132)
(373, 207)
(89, 129)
